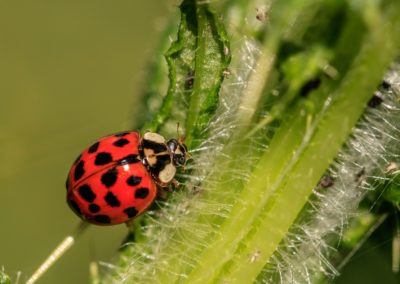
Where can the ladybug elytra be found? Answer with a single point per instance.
(116, 178)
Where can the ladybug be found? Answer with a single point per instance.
(117, 178)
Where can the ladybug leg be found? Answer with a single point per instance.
(176, 183)
(188, 157)
(163, 192)
(129, 238)
(165, 186)
(130, 224)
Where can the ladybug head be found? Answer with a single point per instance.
(179, 152)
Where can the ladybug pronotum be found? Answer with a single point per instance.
(116, 178)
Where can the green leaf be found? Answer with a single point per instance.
(180, 58)
(196, 62)
(212, 58)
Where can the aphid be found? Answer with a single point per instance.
(262, 14)
(189, 81)
(226, 73)
(326, 181)
(360, 176)
(255, 256)
(378, 96)
(385, 86)
(376, 99)
(310, 86)
(116, 178)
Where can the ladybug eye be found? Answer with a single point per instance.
(178, 151)
(182, 160)
(179, 159)
(172, 145)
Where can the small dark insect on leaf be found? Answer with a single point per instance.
(310, 86)
(326, 181)
(385, 85)
(360, 176)
(261, 15)
(226, 73)
(376, 99)
(378, 96)
(189, 81)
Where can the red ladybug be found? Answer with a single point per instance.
(116, 178)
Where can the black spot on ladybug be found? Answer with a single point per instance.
(77, 159)
(130, 159)
(121, 142)
(79, 170)
(110, 177)
(133, 180)
(94, 208)
(131, 212)
(141, 192)
(102, 158)
(94, 147)
(86, 193)
(156, 147)
(104, 219)
(121, 134)
(162, 162)
(74, 207)
(112, 200)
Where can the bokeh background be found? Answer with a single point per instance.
(70, 72)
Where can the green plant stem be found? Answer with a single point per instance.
(273, 198)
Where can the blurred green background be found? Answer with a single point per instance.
(70, 72)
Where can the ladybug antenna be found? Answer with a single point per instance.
(58, 252)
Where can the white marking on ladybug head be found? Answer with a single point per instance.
(167, 173)
(154, 137)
